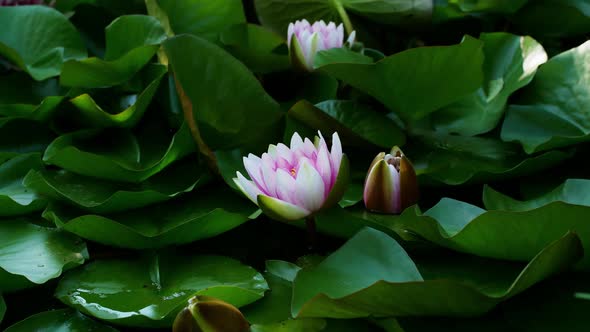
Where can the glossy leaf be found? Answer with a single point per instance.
(510, 63)
(63, 320)
(192, 217)
(277, 14)
(498, 233)
(549, 114)
(249, 116)
(15, 198)
(401, 80)
(35, 253)
(40, 49)
(261, 50)
(100, 196)
(90, 114)
(454, 160)
(371, 275)
(202, 17)
(119, 155)
(149, 292)
(131, 42)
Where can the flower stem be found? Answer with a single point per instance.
(343, 15)
(311, 232)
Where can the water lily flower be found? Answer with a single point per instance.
(310, 39)
(391, 184)
(208, 314)
(291, 183)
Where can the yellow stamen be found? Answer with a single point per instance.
(293, 172)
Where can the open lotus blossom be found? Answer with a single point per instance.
(310, 39)
(290, 183)
(391, 184)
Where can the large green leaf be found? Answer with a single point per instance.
(22, 97)
(13, 142)
(454, 160)
(261, 50)
(40, 48)
(129, 109)
(35, 253)
(233, 112)
(100, 196)
(511, 230)
(277, 14)
(418, 81)
(187, 219)
(356, 124)
(63, 320)
(371, 275)
(510, 63)
(131, 40)
(204, 18)
(550, 112)
(15, 198)
(149, 292)
(452, 9)
(120, 155)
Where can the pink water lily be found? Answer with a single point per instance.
(312, 38)
(296, 181)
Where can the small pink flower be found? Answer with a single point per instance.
(20, 2)
(290, 183)
(310, 39)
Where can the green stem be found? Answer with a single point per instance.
(343, 15)
(311, 232)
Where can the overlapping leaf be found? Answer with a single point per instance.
(22, 97)
(149, 292)
(63, 320)
(35, 254)
(40, 49)
(371, 275)
(15, 198)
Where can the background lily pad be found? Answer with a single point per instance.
(15, 198)
(131, 40)
(192, 217)
(22, 97)
(12, 142)
(149, 292)
(63, 320)
(41, 48)
(35, 253)
(371, 275)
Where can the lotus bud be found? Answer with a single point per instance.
(391, 184)
(208, 314)
(305, 40)
(294, 182)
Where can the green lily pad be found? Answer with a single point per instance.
(510, 63)
(120, 155)
(399, 81)
(100, 196)
(277, 14)
(132, 40)
(15, 198)
(548, 114)
(92, 115)
(149, 292)
(371, 275)
(222, 122)
(260, 49)
(35, 253)
(63, 320)
(454, 160)
(40, 49)
(195, 216)
(356, 124)
(14, 143)
(498, 233)
(568, 18)
(22, 97)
